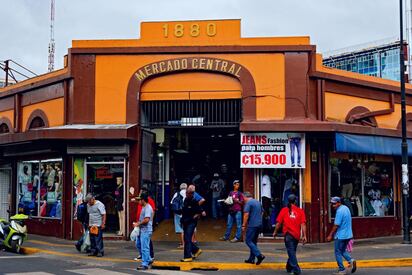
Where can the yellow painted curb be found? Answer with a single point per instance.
(399, 262)
(390, 262)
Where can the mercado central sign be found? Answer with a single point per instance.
(189, 63)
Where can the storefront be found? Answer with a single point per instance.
(189, 100)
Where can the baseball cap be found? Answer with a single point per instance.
(216, 175)
(236, 181)
(335, 199)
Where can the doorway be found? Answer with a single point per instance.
(106, 181)
(5, 199)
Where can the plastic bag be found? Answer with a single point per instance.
(229, 200)
(86, 242)
(135, 234)
(349, 247)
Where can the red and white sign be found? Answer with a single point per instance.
(272, 150)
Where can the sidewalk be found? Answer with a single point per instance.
(377, 252)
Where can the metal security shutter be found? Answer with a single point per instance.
(176, 113)
(5, 178)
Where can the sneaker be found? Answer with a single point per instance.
(249, 261)
(352, 266)
(234, 240)
(139, 257)
(197, 254)
(136, 259)
(142, 267)
(186, 260)
(223, 239)
(260, 259)
(340, 272)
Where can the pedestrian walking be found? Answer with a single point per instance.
(97, 222)
(235, 213)
(191, 212)
(177, 206)
(200, 200)
(252, 223)
(342, 229)
(216, 186)
(139, 211)
(145, 224)
(293, 221)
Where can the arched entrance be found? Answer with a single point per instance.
(190, 121)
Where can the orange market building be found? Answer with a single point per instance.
(190, 99)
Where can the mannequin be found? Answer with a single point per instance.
(120, 204)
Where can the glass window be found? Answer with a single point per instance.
(40, 187)
(275, 187)
(364, 184)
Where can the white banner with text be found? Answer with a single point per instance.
(272, 150)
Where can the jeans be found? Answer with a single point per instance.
(340, 251)
(252, 234)
(96, 242)
(291, 244)
(139, 247)
(190, 248)
(237, 216)
(295, 143)
(215, 208)
(145, 247)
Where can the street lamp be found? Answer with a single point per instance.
(404, 146)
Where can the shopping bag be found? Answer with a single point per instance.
(135, 234)
(94, 230)
(86, 242)
(349, 247)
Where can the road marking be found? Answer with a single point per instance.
(97, 271)
(17, 257)
(30, 273)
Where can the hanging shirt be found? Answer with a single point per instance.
(292, 221)
(266, 187)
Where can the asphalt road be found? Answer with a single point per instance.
(42, 264)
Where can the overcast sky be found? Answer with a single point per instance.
(331, 24)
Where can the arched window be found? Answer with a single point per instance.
(37, 122)
(4, 128)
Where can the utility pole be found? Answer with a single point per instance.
(6, 69)
(51, 43)
(404, 146)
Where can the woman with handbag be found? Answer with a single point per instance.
(234, 201)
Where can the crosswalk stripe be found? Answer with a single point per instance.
(30, 273)
(96, 271)
(18, 257)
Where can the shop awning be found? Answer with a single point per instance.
(379, 145)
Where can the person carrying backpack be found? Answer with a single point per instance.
(83, 217)
(177, 205)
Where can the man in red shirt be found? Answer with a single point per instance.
(294, 229)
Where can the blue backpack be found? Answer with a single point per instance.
(82, 213)
(177, 204)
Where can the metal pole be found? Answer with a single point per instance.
(6, 69)
(405, 175)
